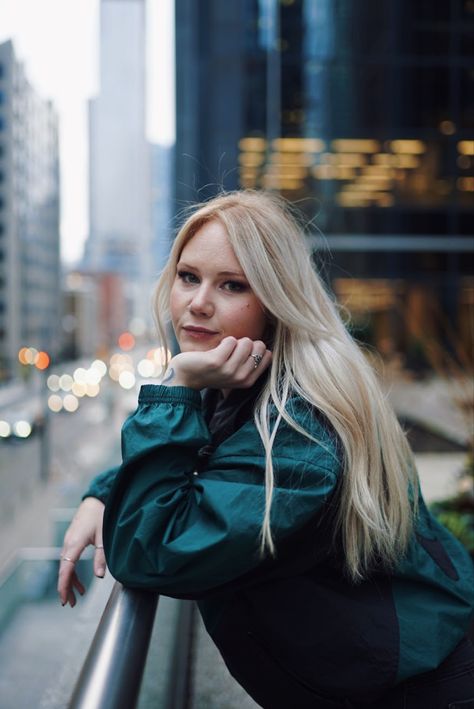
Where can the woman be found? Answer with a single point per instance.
(285, 498)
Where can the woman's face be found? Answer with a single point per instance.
(211, 297)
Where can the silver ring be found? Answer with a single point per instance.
(67, 558)
(257, 359)
(99, 546)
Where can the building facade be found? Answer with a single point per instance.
(362, 114)
(120, 173)
(29, 217)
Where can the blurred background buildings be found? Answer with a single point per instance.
(360, 113)
(29, 217)
(119, 157)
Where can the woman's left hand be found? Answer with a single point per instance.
(233, 364)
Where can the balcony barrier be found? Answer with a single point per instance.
(112, 672)
(113, 669)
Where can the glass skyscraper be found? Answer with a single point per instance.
(362, 113)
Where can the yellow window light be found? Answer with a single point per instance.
(281, 183)
(406, 161)
(466, 147)
(465, 184)
(412, 147)
(251, 159)
(349, 160)
(369, 185)
(292, 171)
(378, 171)
(298, 145)
(355, 145)
(384, 159)
(344, 173)
(248, 183)
(252, 144)
(292, 158)
(354, 199)
(325, 172)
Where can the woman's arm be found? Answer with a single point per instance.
(85, 529)
(171, 528)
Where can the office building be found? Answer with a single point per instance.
(362, 115)
(120, 193)
(29, 217)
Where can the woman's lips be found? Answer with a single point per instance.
(199, 333)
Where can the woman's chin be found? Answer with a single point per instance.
(197, 346)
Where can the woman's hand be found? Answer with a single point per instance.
(233, 364)
(85, 529)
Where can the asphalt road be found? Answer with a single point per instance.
(81, 444)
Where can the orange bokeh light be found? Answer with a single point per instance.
(126, 341)
(22, 355)
(42, 360)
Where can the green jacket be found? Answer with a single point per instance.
(183, 517)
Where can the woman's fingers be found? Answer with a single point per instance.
(99, 559)
(66, 578)
(247, 362)
(76, 582)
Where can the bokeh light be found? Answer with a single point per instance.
(22, 429)
(99, 366)
(79, 389)
(126, 341)
(146, 368)
(92, 389)
(70, 403)
(5, 429)
(126, 380)
(53, 382)
(80, 375)
(55, 403)
(42, 360)
(66, 382)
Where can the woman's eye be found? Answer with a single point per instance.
(188, 277)
(235, 286)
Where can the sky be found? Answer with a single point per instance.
(57, 42)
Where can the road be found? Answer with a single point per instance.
(81, 444)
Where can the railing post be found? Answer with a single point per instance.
(113, 669)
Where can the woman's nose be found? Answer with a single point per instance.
(201, 301)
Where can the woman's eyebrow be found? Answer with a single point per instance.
(231, 273)
(240, 274)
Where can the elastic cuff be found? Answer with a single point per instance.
(158, 394)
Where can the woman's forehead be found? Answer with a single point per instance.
(211, 243)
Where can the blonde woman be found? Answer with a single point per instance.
(267, 477)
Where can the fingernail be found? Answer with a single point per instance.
(100, 573)
(63, 604)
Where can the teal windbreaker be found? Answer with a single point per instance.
(183, 517)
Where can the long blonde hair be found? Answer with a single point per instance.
(315, 357)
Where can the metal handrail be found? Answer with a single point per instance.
(112, 672)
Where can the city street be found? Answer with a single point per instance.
(81, 444)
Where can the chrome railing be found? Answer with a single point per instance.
(112, 672)
(113, 669)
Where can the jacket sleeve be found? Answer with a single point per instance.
(100, 485)
(170, 528)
